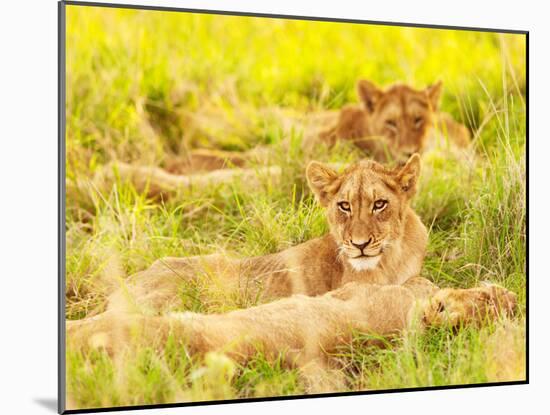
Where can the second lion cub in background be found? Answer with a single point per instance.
(389, 125)
(396, 122)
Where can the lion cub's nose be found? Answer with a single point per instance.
(361, 244)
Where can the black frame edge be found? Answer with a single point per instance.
(292, 397)
(527, 207)
(61, 100)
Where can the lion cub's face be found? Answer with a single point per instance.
(365, 206)
(400, 114)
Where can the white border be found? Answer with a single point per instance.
(28, 167)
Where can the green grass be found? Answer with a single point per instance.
(147, 86)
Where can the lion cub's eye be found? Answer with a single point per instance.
(418, 121)
(379, 205)
(344, 206)
(391, 124)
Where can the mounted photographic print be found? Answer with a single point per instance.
(256, 207)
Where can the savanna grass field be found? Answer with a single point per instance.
(144, 87)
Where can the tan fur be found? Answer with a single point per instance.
(365, 125)
(205, 160)
(328, 296)
(158, 183)
(417, 124)
(396, 122)
(305, 329)
(317, 266)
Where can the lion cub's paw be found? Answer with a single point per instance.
(453, 307)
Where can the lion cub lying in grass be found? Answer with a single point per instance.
(388, 125)
(363, 275)
(307, 330)
(395, 122)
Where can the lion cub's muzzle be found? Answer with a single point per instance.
(364, 248)
(363, 255)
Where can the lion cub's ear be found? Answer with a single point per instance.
(407, 176)
(434, 94)
(369, 94)
(323, 181)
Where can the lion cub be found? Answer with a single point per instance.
(362, 275)
(375, 237)
(389, 125)
(305, 330)
(396, 122)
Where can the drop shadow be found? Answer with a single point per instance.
(48, 403)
